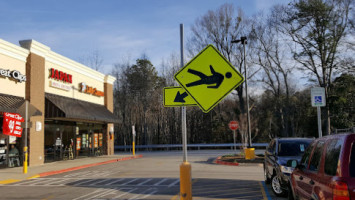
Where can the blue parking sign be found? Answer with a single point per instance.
(318, 99)
(318, 96)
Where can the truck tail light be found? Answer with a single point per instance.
(340, 191)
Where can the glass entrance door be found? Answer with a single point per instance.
(3, 151)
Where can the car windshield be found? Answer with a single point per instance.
(292, 148)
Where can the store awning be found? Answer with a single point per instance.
(13, 104)
(59, 107)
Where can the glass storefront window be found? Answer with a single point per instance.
(75, 137)
(10, 149)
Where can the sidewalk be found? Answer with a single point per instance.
(10, 175)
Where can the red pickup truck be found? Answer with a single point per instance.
(326, 170)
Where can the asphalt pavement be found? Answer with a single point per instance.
(155, 175)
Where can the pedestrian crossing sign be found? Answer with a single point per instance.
(208, 78)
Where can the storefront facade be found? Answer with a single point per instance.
(75, 103)
(12, 94)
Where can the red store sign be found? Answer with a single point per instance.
(12, 124)
(61, 76)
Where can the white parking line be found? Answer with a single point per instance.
(44, 180)
(146, 181)
(121, 195)
(55, 182)
(31, 181)
(153, 192)
(82, 197)
(104, 192)
(111, 183)
(95, 183)
(173, 183)
(130, 181)
(164, 179)
(145, 196)
(80, 183)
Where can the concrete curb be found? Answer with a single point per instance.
(220, 162)
(86, 166)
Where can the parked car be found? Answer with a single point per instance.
(279, 151)
(326, 170)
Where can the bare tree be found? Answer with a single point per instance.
(220, 28)
(94, 60)
(271, 53)
(319, 30)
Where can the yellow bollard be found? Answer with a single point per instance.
(133, 148)
(249, 153)
(25, 160)
(185, 181)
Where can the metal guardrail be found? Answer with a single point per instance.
(189, 146)
(345, 130)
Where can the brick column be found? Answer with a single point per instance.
(108, 90)
(35, 94)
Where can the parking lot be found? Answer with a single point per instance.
(155, 176)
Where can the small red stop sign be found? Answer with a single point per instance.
(233, 125)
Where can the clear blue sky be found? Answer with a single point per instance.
(116, 28)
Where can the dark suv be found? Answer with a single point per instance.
(279, 151)
(327, 169)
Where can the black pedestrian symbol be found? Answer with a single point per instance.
(216, 78)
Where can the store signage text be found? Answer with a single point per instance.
(90, 90)
(16, 75)
(60, 76)
(59, 85)
(12, 124)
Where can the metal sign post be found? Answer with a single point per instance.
(318, 100)
(133, 140)
(25, 148)
(319, 120)
(234, 125)
(235, 148)
(185, 167)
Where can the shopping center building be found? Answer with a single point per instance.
(70, 106)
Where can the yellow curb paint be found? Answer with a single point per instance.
(174, 197)
(262, 191)
(35, 176)
(9, 181)
(50, 197)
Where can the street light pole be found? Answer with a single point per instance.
(243, 40)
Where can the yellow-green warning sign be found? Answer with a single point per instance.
(177, 96)
(208, 78)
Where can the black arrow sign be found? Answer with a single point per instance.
(180, 97)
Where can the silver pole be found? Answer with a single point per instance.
(183, 109)
(25, 148)
(235, 149)
(246, 93)
(26, 116)
(319, 122)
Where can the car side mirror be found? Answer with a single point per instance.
(300, 167)
(292, 163)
